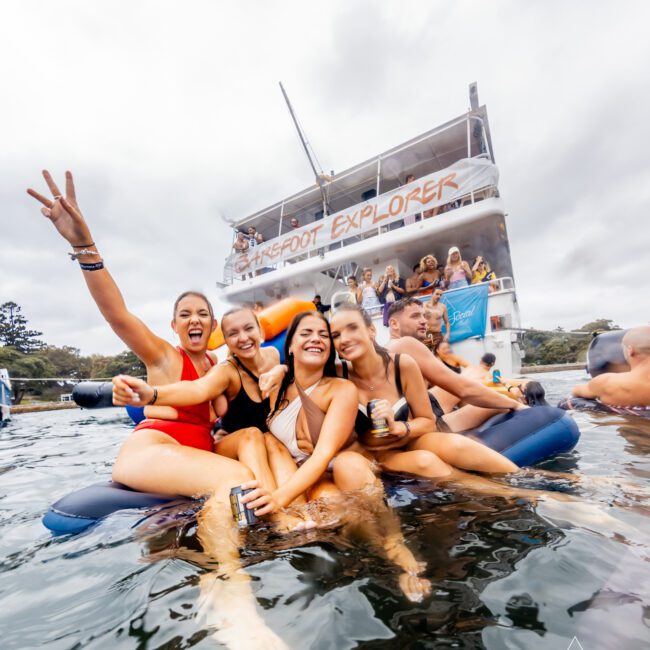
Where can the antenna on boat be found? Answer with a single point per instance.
(321, 177)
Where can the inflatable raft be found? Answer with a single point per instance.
(527, 437)
(595, 406)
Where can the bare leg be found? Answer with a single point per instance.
(153, 461)
(248, 447)
(380, 524)
(469, 417)
(464, 453)
(421, 462)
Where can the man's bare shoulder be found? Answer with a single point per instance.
(407, 345)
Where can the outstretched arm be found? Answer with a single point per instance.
(129, 391)
(593, 389)
(436, 374)
(64, 213)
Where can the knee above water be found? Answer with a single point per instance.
(426, 463)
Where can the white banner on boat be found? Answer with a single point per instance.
(439, 188)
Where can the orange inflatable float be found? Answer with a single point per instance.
(273, 320)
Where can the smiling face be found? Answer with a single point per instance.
(430, 263)
(352, 337)
(241, 333)
(352, 283)
(410, 321)
(310, 344)
(454, 258)
(193, 322)
(367, 275)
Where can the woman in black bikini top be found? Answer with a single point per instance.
(414, 444)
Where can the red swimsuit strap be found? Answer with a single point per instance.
(197, 413)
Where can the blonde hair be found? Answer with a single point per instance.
(423, 262)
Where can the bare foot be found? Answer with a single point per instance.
(228, 606)
(286, 522)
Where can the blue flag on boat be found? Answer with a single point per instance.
(467, 310)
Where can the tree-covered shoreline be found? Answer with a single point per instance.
(25, 356)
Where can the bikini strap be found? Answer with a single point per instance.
(315, 417)
(398, 376)
(246, 370)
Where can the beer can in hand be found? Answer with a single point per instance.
(379, 425)
(242, 515)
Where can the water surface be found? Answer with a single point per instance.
(505, 573)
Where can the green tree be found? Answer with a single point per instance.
(600, 325)
(13, 329)
(20, 364)
(125, 363)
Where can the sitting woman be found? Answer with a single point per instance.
(457, 272)
(395, 382)
(240, 430)
(449, 358)
(312, 449)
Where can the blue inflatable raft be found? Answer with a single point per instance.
(527, 437)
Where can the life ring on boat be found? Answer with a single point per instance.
(527, 436)
(596, 406)
(605, 353)
(273, 320)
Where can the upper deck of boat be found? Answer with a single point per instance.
(346, 221)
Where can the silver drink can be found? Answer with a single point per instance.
(241, 514)
(379, 425)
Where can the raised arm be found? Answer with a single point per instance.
(64, 213)
(593, 389)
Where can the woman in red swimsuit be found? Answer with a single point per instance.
(171, 451)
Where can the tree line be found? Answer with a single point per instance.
(542, 347)
(25, 355)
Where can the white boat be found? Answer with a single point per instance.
(366, 216)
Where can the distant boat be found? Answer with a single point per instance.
(369, 216)
(5, 397)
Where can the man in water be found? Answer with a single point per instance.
(436, 314)
(630, 388)
(408, 328)
(483, 371)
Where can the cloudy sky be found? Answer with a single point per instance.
(169, 114)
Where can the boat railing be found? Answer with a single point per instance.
(231, 276)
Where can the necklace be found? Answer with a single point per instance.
(367, 385)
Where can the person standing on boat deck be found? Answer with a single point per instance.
(412, 282)
(254, 237)
(436, 314)
(171, 454)
(632, 388)
(294, 223)
(413, 444)
(457, 272)
(368, 297)
(412, 218)
(429, 276)
(354, 287)
(390, 289)
(408, 327)
(241, 243)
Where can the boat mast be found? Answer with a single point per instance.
(319, 175)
